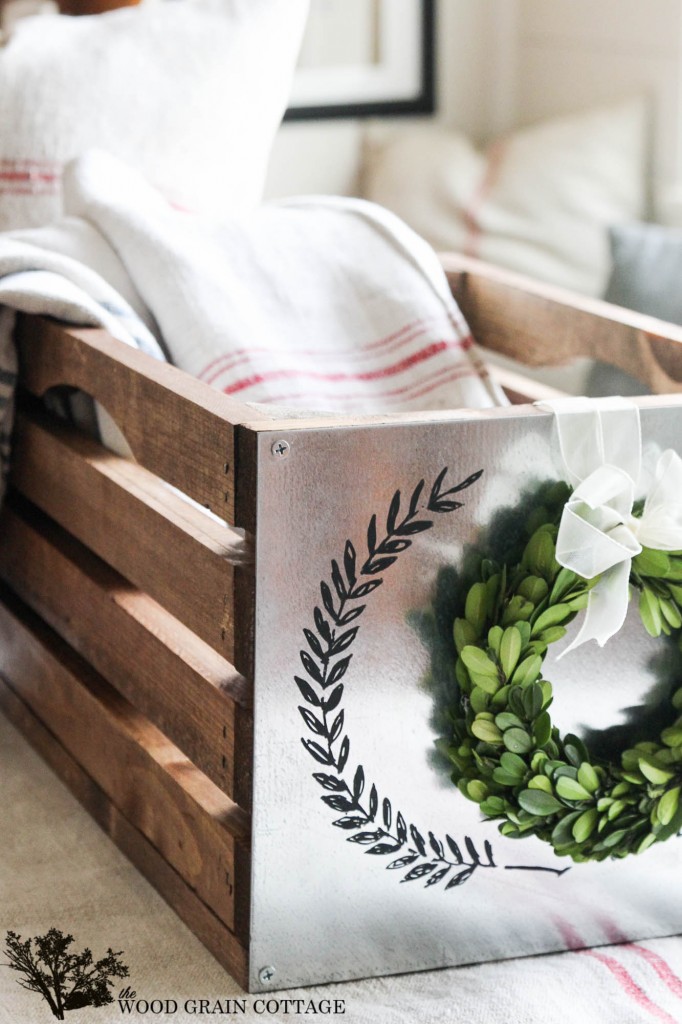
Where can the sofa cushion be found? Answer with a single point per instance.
(539, 201)
(646, 273)
(189, 92)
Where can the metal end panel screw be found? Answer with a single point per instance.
(281, 449)
(266, 974)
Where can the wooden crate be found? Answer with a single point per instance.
(127, 615)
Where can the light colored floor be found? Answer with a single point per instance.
(57, 869)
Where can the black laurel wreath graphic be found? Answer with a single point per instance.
(327, 661)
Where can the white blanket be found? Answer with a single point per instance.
(38, 274)
(319, 304)
(324, 303)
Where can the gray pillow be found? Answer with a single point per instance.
(646, 276)
(647, 270)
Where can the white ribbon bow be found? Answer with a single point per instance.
(601, 446)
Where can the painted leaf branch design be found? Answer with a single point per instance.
(374, 823)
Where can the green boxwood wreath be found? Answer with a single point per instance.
(507, 755)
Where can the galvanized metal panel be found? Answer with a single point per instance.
(323, 909)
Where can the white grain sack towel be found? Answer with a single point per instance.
(39, 274)
(319, 303)
(190, 92)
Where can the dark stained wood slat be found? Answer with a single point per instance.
(208, 928)
(151, 535)
(177, 427)
(192, 694)
(543, 325)
(200, 832)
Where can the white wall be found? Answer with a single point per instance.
(474, 69)
(572, 54)
(503, 63)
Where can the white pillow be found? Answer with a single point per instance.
(539, 201)
(190, 92)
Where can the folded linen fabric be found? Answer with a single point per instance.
(191, 92)
(318, 303)
(39, 274)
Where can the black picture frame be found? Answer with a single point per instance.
(423, 101)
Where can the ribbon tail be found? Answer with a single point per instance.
(607, 606)
(660, 526)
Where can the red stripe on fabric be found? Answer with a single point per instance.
(575, 943)
(472, 212)
(226, 362)
(27, 165)
(231, 360)
(432, 350)
(459, 374)
(397, 339)
(660, 966)
(28, 179)
(177, 206)
(568, 934)
(407, 329)
(23, 190)
(629, 985)
(26, 176)
(426, 384)
(246, 351)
